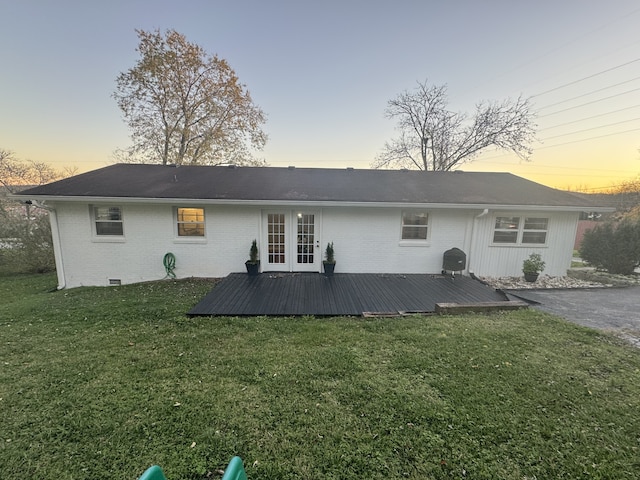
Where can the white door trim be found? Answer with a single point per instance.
(281, 237)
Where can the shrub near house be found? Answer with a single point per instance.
(614, 247)
(25, 240)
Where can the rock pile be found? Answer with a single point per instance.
(543, 282)
(576, 278)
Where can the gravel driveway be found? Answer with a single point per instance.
(612, 309)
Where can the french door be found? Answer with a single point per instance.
(292, 241)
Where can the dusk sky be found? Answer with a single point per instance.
(323, 72)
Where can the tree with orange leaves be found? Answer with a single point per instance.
(184, 106)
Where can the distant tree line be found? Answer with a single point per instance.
(614, 244)
(25, 230)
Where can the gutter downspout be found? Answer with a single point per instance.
(472, 239)
(57, 244)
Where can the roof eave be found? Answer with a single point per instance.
(314, 203)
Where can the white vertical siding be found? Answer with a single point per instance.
(506, 260)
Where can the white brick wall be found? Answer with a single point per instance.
(365, 240)
(149, 233)
(368, 240)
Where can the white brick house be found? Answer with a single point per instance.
(114, 225)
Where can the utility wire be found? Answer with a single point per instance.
(589, 118)
(586, 78)
(575, 82)
(590, 103)
(566, 44)
(545, 147)
(558, 167)
(605, 188)
(593, 128)
(590, 138)
(588, 93)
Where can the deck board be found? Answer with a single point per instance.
(285, 294)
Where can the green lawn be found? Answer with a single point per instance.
(100, 383)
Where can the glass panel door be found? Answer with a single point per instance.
(277, 242)
(307, 248)
(292, 241)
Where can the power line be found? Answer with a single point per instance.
(590, 103)
(541, 174)
(589, 118)
(590, 138)
(570, 42)
(572, 173)
(589, 93)
(593, 128)
(608, 85)
(536, 165)
(571, 142)
(586, 78)
(605, 188)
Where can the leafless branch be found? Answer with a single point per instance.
(434, 138)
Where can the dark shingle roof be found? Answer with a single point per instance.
(308, 185)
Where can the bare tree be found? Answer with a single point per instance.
(184, 106)
(25, 231)
(15, 173)
(431, 137)
(627, 197)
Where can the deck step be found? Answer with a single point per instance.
(480, 307)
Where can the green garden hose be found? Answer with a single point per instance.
(169, 262)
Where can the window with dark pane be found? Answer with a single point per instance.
(108, 220)
(506, 230)
(520, 231)
(415, 225)
(535, 230)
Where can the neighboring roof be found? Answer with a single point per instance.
(618, 201)
(5, 191)
(318, 185)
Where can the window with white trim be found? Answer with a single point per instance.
(415, 225)
(108, 221)
(534, 230)
(520, 230)
(190, 222)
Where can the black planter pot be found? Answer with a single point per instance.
(531, 277)
(252, 268)
(328, 268)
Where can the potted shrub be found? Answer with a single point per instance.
(329, 261)
(253, 264)
(532, 267)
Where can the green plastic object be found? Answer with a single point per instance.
(235, 470)
(153, 473)
(169, 262)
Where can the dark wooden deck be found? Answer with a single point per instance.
(286, 294)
